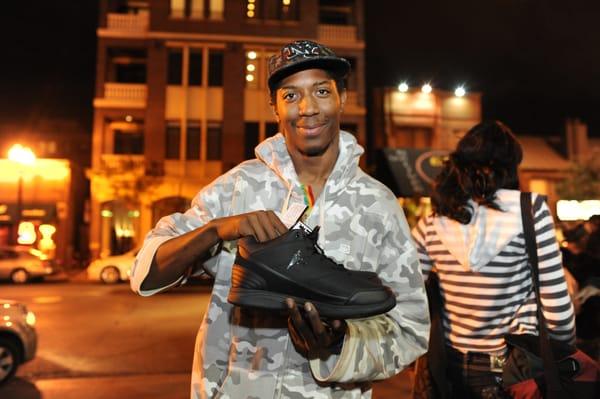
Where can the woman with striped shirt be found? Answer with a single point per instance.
(474, 242)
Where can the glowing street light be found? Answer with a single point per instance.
(460, 91)
(23, 156)
(426, 88)
(403, 87)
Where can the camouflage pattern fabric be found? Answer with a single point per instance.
(246, 353)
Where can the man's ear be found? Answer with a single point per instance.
(274, 109)
(343, 98)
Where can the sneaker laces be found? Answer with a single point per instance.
(313, 236)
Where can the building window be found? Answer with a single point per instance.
(195, 68)
(215, 68)
(178, 8)
(128, 142)
(126, 65)
(213, 141)
(271, 129)
(172, 141)
(336, 12)
(216, 9)
(251, 134)
(350, 128)
(174, 67)
(192, 140)
(198, 9)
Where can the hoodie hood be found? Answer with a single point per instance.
(274, 154)
(475, 244)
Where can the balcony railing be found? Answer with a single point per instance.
(125, 91)
(120, 163)
(337, 33)
(130, 23)
(123, 95)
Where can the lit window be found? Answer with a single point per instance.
(177, 8)
(217, 8)
(197, 11)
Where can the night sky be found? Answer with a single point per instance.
(536, 62)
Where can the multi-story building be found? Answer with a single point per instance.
(181, 97)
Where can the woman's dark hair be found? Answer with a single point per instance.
(485, 160)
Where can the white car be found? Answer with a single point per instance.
(18, 338)
(21, 264)
(112, 269)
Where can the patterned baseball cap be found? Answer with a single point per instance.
(305, 54)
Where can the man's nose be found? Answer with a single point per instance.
(308, 106)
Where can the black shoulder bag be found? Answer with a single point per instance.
(538, 366)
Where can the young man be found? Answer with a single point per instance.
(244, 352)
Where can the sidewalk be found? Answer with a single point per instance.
(146, 386)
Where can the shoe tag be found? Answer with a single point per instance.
(293, 214)
(301, 226)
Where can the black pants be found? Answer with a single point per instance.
(471, 377)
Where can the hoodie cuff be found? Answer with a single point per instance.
(336, 367)
(142, 264)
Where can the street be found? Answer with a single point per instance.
(98, 341)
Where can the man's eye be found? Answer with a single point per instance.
(289, 96)
(323, 92)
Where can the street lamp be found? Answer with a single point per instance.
(23, 156)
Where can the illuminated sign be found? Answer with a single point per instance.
(577, 210)
(413, 170)
(33, 213)
(26, 233)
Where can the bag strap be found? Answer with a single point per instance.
(553, 388)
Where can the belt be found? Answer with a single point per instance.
(477, 360)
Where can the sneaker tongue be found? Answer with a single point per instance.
(314, 235)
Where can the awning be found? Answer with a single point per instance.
(410, 172)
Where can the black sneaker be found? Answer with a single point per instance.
(371, 276)
(294, 266)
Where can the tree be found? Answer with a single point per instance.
(583, 182)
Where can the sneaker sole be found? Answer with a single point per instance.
(273, 301)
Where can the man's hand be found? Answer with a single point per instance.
(311, 336)
(262, 225)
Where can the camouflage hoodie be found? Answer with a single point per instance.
(242, 353)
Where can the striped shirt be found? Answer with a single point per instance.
(485, 301)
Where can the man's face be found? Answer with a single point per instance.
(308, 106)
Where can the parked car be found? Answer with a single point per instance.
(112, 269)
(21, 264)
(18, 338)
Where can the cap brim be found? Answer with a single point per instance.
(338, 66)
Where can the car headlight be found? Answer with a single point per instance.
(30, 319)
